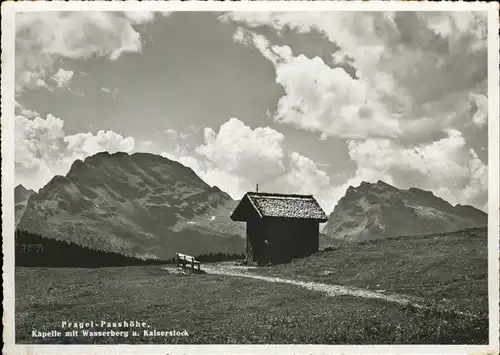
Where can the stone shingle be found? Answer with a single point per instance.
(287, 206)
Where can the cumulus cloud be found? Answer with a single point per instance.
(85, 144)
(26, 112)
(234, 185)
(238, 149)
(138, 17)
(419, 90)
(329, 101)
(62, 77)
(446, 167)
(43, 38)
(415, 87)
(375, 39)
(237, 157)
(321, 99)
(213, 175)
(43, 149)
(308, 177)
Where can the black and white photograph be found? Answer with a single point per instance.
(240, 177)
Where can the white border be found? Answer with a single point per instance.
(8, 32)
(493, 175)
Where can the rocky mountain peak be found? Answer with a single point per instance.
(379, 210)
(22, 194)
(135, 204)
(21, 197)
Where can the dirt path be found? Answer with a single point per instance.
(329, 289)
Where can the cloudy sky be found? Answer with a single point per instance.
(297, 102)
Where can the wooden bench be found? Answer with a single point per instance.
(183, 259)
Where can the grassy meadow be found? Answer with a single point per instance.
(449, 269)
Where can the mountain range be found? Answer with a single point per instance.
(380, 210)
(141, 204)
(148, 206)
